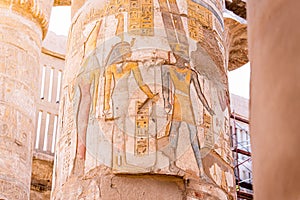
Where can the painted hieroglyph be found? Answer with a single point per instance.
(145, 91)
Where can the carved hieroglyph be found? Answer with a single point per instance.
(145, 92)
(22, 26)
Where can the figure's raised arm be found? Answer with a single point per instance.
(139, 80)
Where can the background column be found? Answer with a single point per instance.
(275, 93)
(22, 27)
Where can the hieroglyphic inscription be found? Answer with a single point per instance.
(147, 16)
(141, 16)
(67, 156)
(200, 13)
(208, 133)
(114, 7)
(117, 6)
(134, 20)
(221, 46)
(195, 30)
(218, 28)
(15, 131)
(22, 133)
(218, 3)
(140, 19)
(211, 9)
(227, 145)
(75, 43)
(18, 63)
(68, 127)
(199, 18)
(9, 190)
(141, 130)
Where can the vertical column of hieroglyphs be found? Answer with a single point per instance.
(22, 27)
(141, 17)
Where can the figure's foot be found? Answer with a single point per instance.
(78, 169)
(154, 169)
(204, 177)
(174, 169)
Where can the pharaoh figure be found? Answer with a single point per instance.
(181, 76)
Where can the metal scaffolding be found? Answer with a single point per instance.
(241, 150)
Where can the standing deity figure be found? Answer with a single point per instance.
(181, 76)
(119, 68)
(88, 75)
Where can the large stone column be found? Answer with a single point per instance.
(22, 27)
(144, 111)
(275, 98)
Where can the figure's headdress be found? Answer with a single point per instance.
(117, 52)
(180, 51)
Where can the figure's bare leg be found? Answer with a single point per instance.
(173, 138)
(83, 119)
(196, 147)
(82, 124)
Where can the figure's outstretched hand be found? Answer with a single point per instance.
(155, 98)
(107, 111)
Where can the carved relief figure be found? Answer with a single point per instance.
(181, 76)
(116, 89)
(88, 76)
(173, 25)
